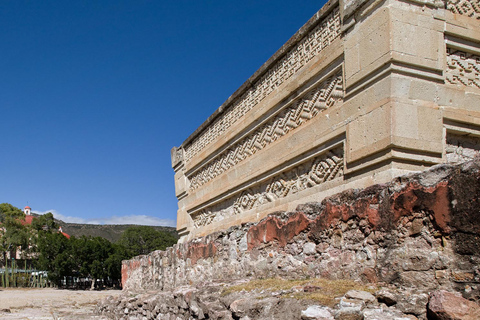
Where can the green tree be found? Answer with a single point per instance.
(13, 234)
(55, 254)
(94, 257)
(45, 222)
(114, 261)
(144, 239)
(90, 255)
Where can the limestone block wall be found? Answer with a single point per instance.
(420, 231)
(363, 92)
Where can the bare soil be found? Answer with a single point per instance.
(48, 303)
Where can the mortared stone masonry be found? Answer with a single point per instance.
(417, 231)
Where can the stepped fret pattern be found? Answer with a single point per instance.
(470, 8)
(310, 46)
(320, 98)
(318, 170)
(463, 68)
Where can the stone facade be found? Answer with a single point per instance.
(408, 238)
(417, 231)
(363, 92)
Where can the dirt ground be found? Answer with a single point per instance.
(50, 303)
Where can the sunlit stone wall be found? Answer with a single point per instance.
(363, 92)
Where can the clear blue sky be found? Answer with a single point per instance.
(94, 94)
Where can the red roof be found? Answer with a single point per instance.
(27, 220)
(27, 207)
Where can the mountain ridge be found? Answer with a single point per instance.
(111, 232)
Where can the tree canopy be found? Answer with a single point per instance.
(94, 257)
(140, 240)
(13, 233)
(45, 222)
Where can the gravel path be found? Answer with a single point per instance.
(50, 303)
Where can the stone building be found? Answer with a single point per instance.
(363, 92)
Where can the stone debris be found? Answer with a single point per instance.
(211, 302)
(387, 297)
(316, 313)
(409, 238)
(360, 295)
(402, 233)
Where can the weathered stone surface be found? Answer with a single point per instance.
(349, 314)
(413, 303)
(213, 303)
(444, 305)
(316, 313)
(385, 314)
(358, 234)
(387, 297)
(367, 297)
(346, 103)
(363, 93)
(274, 229)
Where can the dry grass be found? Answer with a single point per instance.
(321, 290)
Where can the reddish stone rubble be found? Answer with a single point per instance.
(420, 231)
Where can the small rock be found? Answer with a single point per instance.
(413, 304)
(380, 314)
(348, 314)
(239, 307)
(353, 304)
(223, 314)
(463, 276)
(360, 295)
(309, 248)
(387, 297)
(317, 313)
(444, 305)
(416, 227)
(310, 288)
(196, 310)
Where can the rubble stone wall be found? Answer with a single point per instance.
(418, 231)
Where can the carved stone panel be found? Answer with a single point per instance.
(307, 48)
(318, 170)
(176, 156)
(325, 95)
(470, 8)
(463, 68)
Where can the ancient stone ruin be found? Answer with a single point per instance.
(363, 92)
(416, 239)
(312, 169)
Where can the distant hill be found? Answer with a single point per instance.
(111, 232)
